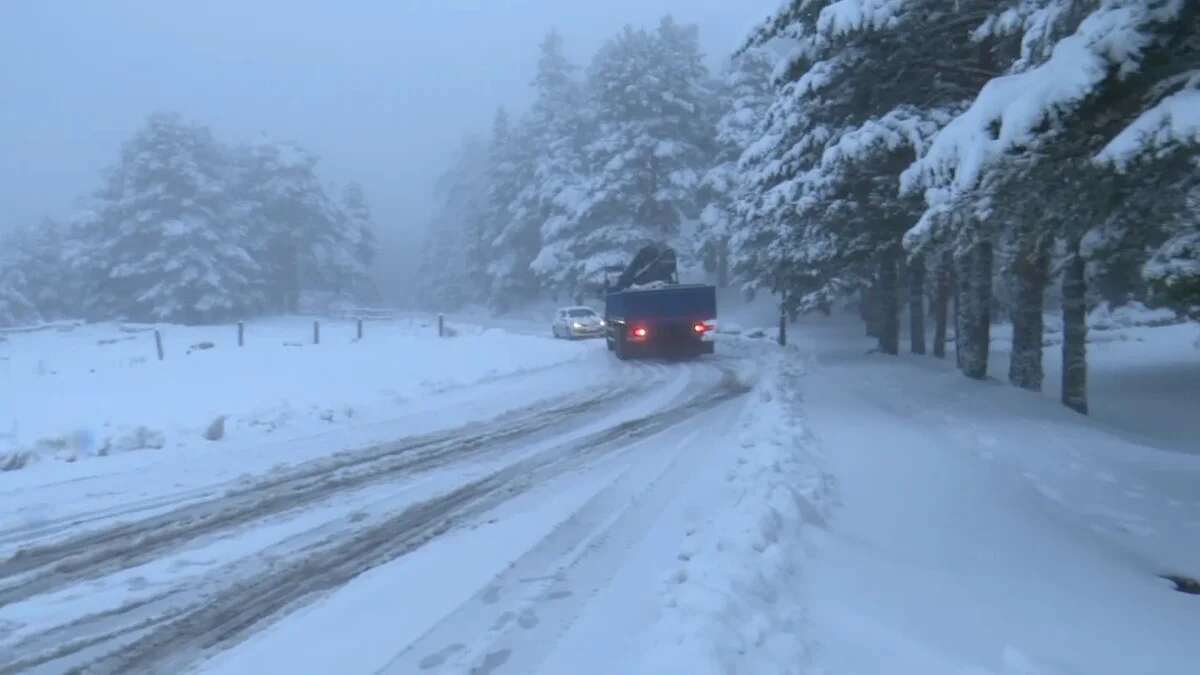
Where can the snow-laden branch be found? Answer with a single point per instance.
(1174, 121)
(1011, 111)
(849, 16)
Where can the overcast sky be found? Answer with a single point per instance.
(382, 90)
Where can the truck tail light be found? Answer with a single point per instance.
(700, 328)
(639, 332)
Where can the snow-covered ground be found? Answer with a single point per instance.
(982, 529)
(503, 502)
(74, 392)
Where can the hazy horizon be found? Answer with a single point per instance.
(381, 91)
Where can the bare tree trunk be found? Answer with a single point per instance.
(869, 308)
(962, 291)
(1025, 368)
(941, 302)
(1074, 372)
(723, 263)
(916, 305)
(889, 303)
(977, 317)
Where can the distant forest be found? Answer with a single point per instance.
(187, 229)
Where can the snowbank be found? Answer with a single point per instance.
(74, 392)
(733, 602)
(983, 529)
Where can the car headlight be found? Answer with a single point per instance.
(576, 325)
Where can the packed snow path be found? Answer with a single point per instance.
(156, 593)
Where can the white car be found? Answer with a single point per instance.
(577, 322)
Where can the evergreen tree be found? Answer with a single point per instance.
(15, 305)
(452, 273)
(293, 227)
(644, 164)
(161, 246)
(39, 254)
(510, 238)
(746, 93)
(861, 100)
(359, 243)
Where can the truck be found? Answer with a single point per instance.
(648, 313)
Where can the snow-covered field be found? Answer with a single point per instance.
(982, 529)
(502, 502)
(75, 392)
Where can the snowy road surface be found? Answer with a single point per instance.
(821, 510)
(158, 584)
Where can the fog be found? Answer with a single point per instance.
(380, 90)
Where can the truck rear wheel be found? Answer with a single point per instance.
(620, 347)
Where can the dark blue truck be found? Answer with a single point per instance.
(668, 320)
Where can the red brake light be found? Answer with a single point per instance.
(700, 328)
(640, 332)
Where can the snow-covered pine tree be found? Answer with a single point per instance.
(746, 92)
(1085, 72)
(40, 254)
(160, 246)
(357, 245)
(292, 225)
(643, 167)
(15, 305)
(509, 239)
(452, 272)
(862, 95)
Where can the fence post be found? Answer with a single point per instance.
(158, 344)
(441, 325)
(316, 332)
(360, 329)
(241, 334)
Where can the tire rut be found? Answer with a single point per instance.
(270, 584)
(109, 550)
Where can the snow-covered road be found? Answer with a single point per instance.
(163, 581)
(815, 510)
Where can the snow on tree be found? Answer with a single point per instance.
(644, 164)
(39, 255)
(161, 246)
(357, 244)
(510, 235)
(15, 305)
(294, 229)
(861, 98)
(746, 92)
(453, 272)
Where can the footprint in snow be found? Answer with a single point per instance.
(504, 619)
(528, 619)
(492, 662)
(438, 658)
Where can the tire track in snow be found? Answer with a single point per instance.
(163, 633)
(510, 625)
(45, 568)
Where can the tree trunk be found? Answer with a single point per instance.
(941, 302)
(977, 314)
(889, 304)
(869, 308)
(1074, 372)
(916, 304)
(1025, 368)
(962, 289)
(723, 263)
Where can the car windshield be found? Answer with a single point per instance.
(580, 313)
